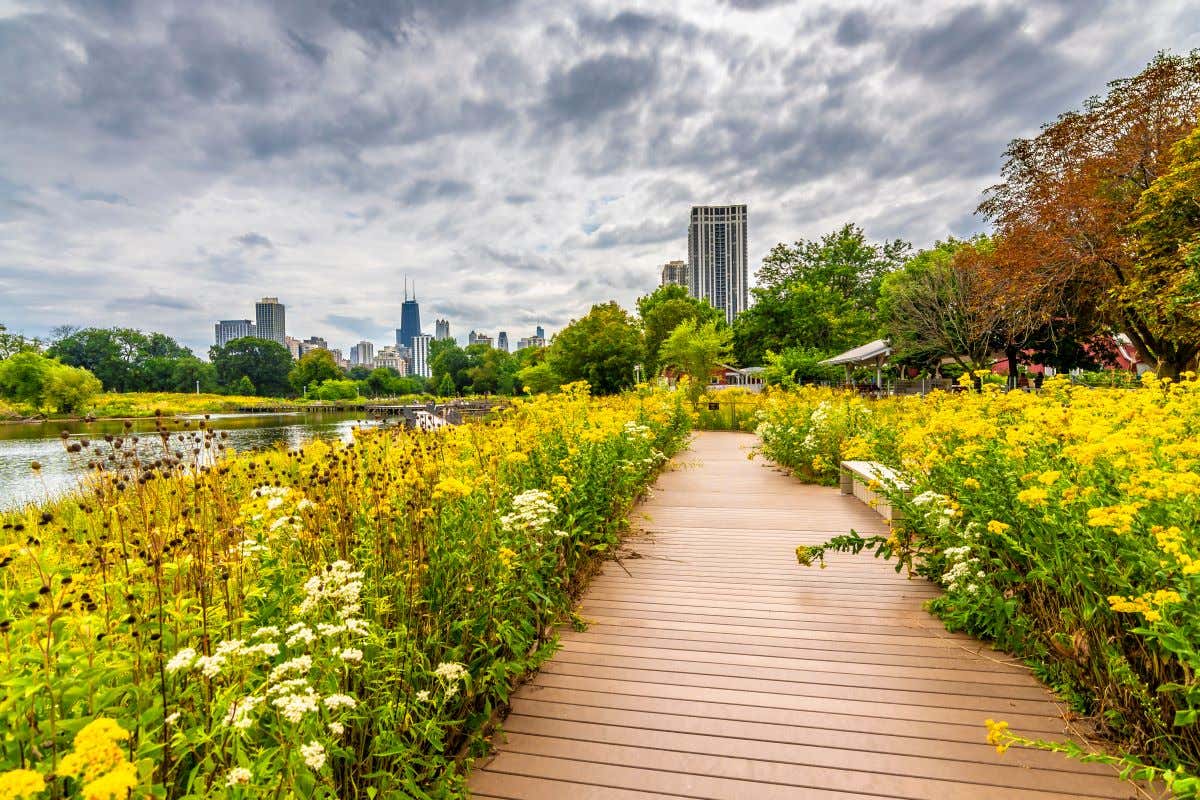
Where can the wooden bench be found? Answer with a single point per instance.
(860, 478)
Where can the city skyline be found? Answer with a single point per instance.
(167, 161)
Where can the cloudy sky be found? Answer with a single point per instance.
(162, 164)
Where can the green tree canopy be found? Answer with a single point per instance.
(662, 311)
(797, 365)
(696, 350)
(264, 362)
(1165, 284)
(818, 294)
(14, 343)
(539, 378)
(124, 359)
(447, 359)
(35, 380)
(601, 348)
(314, 367)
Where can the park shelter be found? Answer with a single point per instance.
(872, 353)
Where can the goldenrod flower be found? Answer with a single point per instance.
(21, 784)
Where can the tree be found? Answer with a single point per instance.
(1165, 281)
(446, 358)
(601, 348)
(797, 365)
(124, 359)
(446, 387)
(539, 378)
(11, 343)
(264, 362)
(68, 389)
(929, 308)
(335, 390)
(662, 311)
(33, 379)
(244, 387)
(22, 377)
(818, 294)
(314, 366)
(696, 350)
(492, 371)
(1068, 203)
(187, 373)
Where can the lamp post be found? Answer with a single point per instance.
(637, 374)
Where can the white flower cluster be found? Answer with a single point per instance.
(238, 776)
(963, 568)
(451, 673)
(239, 713)
(314, 755)
(635, 429)
(340, 585)
(532, 512)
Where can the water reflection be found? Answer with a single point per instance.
(22, 445)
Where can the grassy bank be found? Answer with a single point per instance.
(134, 405)
(340, 621)
(1062, 526)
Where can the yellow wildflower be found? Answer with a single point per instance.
(19, 784)
(560, 483)
(996, 526)
(116, 785)
(971, 483)
(96, 751)
(998, 735)
(1033, 497)
(507, 556)
(1049, 477)
(451, 488)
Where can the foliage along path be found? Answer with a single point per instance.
(715, 667)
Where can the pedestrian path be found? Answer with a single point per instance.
(716, 667)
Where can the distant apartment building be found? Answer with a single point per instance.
(229, 329)
(362, 354)
(674, 273)
(717, 258)
(530, 341)
(441, 329)
(390, 358)
(502, 341)
(338, 358)
(420, 359)
(269, 320)
(312, 343)
(294, 346)
(478, 338)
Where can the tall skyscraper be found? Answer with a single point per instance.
(362, 354)
(502, 341)
(441, 329)
(674, 272)
(270, 320)
(540, 332)
(420, 350)
(717, 258)
(410, 319)
(229, 329)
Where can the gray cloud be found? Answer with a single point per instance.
(597, 86)
(252, 240)
(521, 159)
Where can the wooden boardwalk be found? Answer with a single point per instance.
(715, 667)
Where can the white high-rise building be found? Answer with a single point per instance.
(717, 258)
(270, 320)
(229, 329)
(362, 354)
(674, 272)
(420, 353)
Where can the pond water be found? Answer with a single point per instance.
(24, 443)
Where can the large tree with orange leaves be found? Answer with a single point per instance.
(1069, 197)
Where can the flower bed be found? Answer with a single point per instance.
(1062, 526)
(338, 621)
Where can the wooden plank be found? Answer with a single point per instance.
(713, 666)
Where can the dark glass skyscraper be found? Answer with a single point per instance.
(717, 269)
(410, 319)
